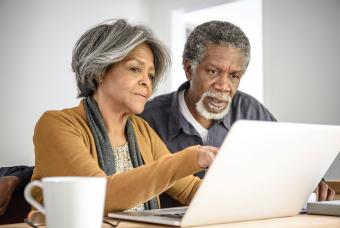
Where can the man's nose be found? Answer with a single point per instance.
(223, 83)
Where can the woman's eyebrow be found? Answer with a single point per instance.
(141, 62)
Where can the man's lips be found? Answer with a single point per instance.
(217, 101)
(216, 104)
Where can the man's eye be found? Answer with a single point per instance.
(235, 76)
(214, 72)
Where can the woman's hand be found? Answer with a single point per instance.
(206, 155)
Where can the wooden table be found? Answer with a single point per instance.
(299, 221)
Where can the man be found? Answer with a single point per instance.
(13, 207)
(203, 109)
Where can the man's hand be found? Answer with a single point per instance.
(324, 192)
(8, 185)
(206, 155)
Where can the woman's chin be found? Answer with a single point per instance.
(137, 110)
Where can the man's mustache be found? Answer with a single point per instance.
(217, 95)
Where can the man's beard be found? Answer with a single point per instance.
(210, 115)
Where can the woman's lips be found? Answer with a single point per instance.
(141, 95)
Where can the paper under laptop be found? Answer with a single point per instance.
(324, 208)
(263, 170)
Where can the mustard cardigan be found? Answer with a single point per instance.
(64, 146)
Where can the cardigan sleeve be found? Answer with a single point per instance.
(62, 149)
(182, 189)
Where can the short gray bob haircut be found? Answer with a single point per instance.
(109, 43)
(215, 32)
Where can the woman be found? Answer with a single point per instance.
(116, 67)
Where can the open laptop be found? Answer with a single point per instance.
(263, 170)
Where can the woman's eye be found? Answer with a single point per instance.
(136, 69)
(152, 77)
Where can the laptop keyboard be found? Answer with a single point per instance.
(177, 215)
(170, 213)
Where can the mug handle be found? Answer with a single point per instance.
(30, 199)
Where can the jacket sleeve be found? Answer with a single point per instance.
(62, 149)
(182, 189)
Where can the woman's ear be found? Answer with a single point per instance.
(100, 79)
(188, 69)
(100, 82)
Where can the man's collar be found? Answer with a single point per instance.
(234, 109)
(176, 119)
(227, 120)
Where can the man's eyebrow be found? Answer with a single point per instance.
(221, 67)
(214, 65)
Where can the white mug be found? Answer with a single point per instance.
(70, 202)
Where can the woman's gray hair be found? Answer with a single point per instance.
(215, 32)
(109, 43)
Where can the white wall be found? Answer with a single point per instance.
(301, 62)
(301, 46)
(36, 41)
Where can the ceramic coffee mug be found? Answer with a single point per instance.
(70, 201)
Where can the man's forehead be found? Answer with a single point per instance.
(221, 55)
(212, 49)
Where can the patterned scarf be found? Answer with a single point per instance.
(103, 146)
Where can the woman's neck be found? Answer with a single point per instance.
(114, 120)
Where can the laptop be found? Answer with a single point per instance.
(263, 170)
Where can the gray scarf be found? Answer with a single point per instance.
(103, 146)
